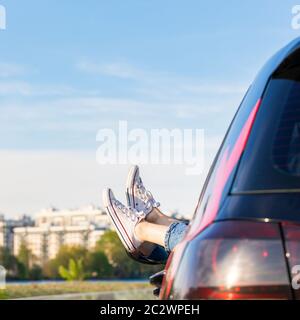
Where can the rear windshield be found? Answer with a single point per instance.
(286, 147)
(271, 161)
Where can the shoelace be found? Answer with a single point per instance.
(146, 196)
(130, 213)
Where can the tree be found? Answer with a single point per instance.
(124, 266)
(9, 262)
(98, 265)
(26, 259)
(36, 273)
(64, 255)
(75, 270)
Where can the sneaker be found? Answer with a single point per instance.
(124, 219)
(138, 197)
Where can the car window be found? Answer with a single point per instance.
(286, 147)
(271, 161)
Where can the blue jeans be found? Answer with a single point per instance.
(173, 236)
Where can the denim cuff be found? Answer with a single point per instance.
(174, 235)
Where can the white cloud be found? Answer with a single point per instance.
(114, 69)
(199, 111)
(215, 88)
(11, 70)
(163, 85)
(89, 114)
(31, 180)
(27, 89)
(15, 88)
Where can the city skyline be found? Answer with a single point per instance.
(52, 228)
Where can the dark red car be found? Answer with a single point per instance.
(244, 239)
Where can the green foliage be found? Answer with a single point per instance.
(98, 265)
(10, 263)
(107, 260)
(36, 273)
(14, 291)
(20, 267)
(74, 272)
(124, 266)
(25, 255)
(25, 258)
(64, 255)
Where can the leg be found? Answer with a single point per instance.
(167, 236)
(150, 232)
(141, 226)
(157, 217)
(154, 219)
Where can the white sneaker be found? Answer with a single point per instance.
(124, 219)
(138, 197)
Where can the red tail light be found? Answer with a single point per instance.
(292, 242)
(232, 260)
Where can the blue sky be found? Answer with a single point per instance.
(69, 68)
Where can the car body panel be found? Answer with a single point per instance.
(216, 202)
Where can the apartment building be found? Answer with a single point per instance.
(7, 227)
(54, 228)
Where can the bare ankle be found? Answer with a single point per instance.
(153, 216)
(138, 231)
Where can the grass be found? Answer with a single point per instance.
(14, 291)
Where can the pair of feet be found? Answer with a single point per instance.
(125, 218)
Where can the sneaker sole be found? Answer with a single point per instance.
(124, 237)
(129, 189)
